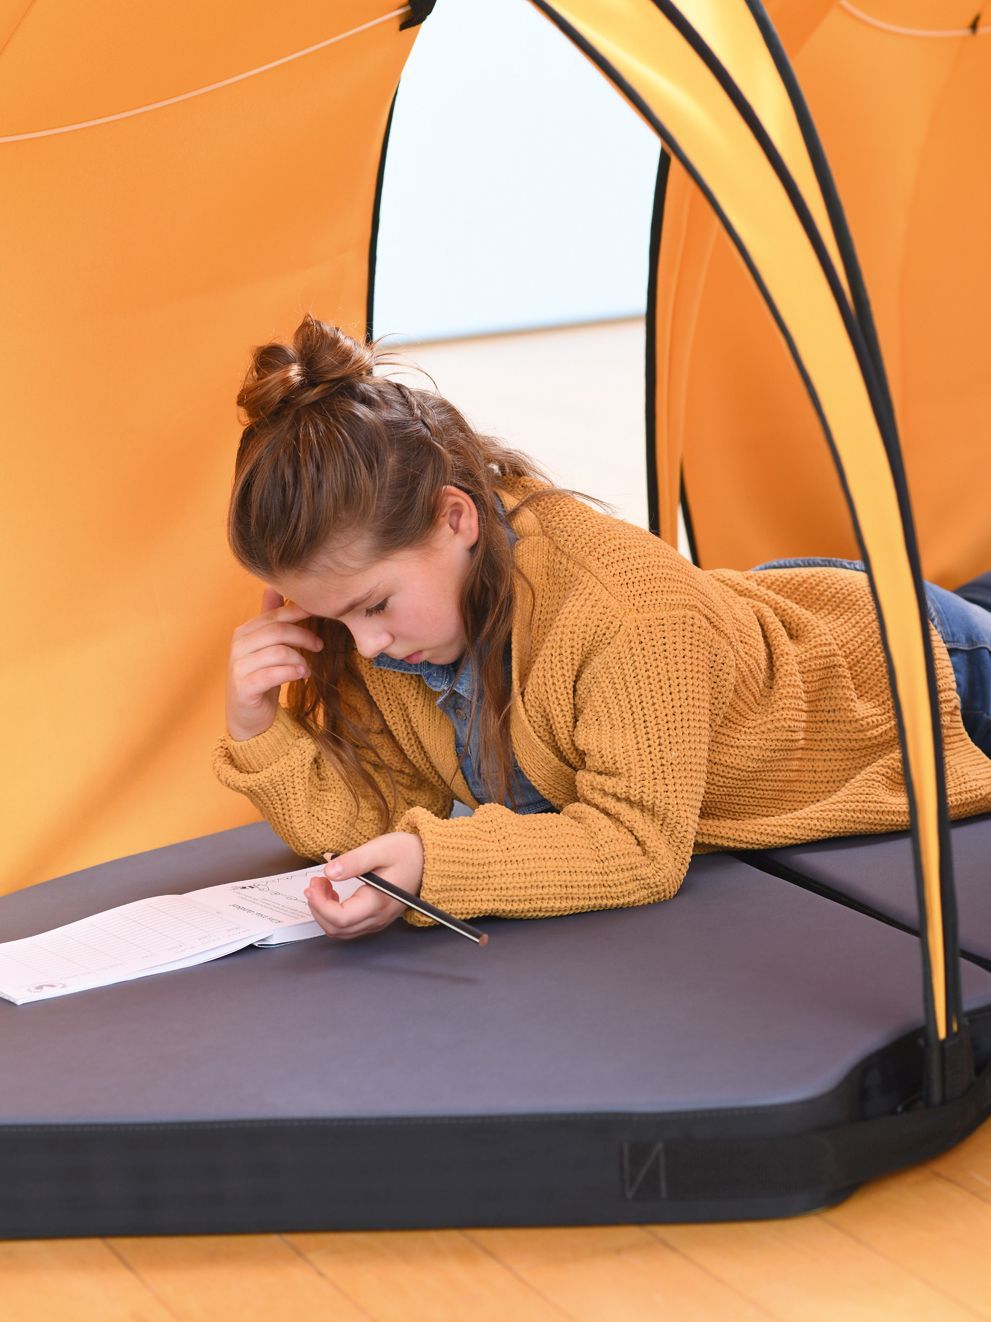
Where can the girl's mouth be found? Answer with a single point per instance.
(413, 657)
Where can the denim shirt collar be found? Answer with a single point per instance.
(442, 678)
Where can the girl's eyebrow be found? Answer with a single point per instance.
(348, 609)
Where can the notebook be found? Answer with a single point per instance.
(160, 934)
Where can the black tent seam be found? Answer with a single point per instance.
(827, 187)
(650, 346)
(373, 239)
(686, 512)
(648, 115)
(880, 402)
(419, 11)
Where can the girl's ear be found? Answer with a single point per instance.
(461, 515)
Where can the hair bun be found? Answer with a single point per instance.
(320, 358)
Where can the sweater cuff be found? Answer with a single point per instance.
(443, 866)
(263, 749)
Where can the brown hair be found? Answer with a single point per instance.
(333, 452)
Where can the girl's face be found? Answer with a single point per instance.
(408, 604)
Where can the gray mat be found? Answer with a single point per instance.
(743, 990)
(877, 871)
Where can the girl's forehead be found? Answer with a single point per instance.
(343, 562)
(346, 573)
(327, 594)
(361, 559)
(345, 554)
(334, 584)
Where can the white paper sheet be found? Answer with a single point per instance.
(159, 934)
(278, 900)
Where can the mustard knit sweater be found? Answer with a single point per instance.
(665, 710)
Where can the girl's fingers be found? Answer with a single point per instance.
(352, 934)
(275, 624)
(274, 634)
(324, 901)
(368, 857)
(252, 672)
(320, 886)
(278, 653)
(367, 903)
(345, 913)
(366, 910)
(270, 677)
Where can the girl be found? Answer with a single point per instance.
(451, 625)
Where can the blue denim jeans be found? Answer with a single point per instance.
(964, 627)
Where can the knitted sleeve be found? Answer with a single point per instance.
(644, 711)
(285, 775)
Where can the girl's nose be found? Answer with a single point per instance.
(369, 642)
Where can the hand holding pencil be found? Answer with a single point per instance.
(392, 866)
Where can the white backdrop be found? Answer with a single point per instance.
(518, 186)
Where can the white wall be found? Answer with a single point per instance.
(572, 397)
(518, 186)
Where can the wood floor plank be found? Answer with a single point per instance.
(423, 1276)
(969, 1163)
(255, 1278)
(930, 1226)
(805, 1269)
(72, 1280)
(623, 1272)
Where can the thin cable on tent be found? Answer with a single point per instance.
(211, 87)
(972, 30)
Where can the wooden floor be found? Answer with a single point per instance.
(913, 1247)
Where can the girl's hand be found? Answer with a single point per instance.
(398, 857)
(262, 659)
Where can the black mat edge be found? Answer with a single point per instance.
(271, 1176)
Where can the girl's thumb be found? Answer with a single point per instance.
(322, 888)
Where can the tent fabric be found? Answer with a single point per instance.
(202, 1100)
(899, 94)
(145, 255)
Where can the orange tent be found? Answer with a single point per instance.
(182, 182)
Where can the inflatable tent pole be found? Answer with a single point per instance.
(950, 1067)
(776, 200)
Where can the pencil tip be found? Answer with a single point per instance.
(483, 940)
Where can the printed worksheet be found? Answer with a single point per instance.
(278, 900)
(160, 934)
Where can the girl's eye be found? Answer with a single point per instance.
(377, 610)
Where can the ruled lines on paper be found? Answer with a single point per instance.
(126, 942)
(160, 934)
